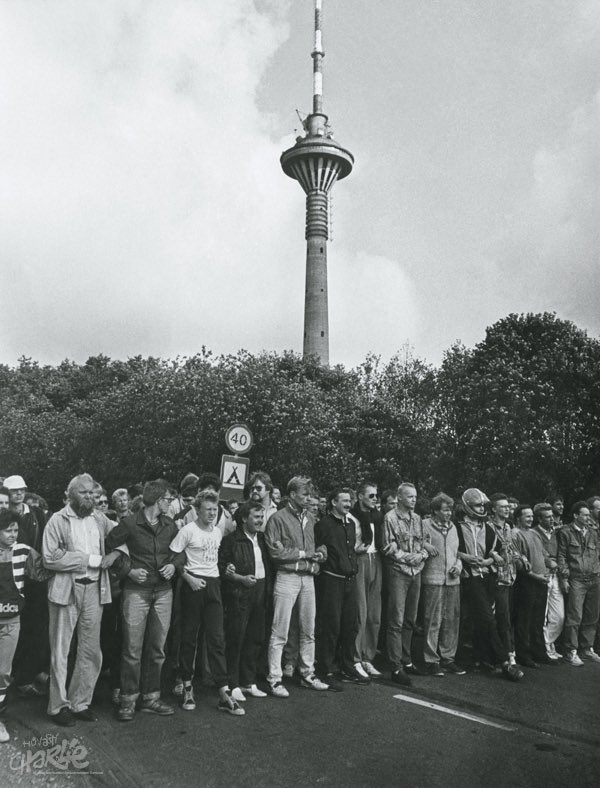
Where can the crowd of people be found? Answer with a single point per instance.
(157, 585)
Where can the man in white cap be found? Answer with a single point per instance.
(32, 658)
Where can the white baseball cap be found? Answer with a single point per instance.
(15, 483)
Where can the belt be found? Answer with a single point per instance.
(85, 581)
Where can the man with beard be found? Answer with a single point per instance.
(73, 549)
(260, 488)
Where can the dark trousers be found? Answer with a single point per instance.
(487, 644)
(503, 610)
(33, 650)
(336, 621)
(203, 610)
(244, 631)
(530, 615)
(111, 639)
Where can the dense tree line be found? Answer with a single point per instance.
(519, 412)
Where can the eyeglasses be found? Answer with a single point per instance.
(371, 496)
(168, 500)
(258, 487)
(103, 502)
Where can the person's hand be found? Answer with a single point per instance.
(167, 571)
(453, 571)
(472, 560)
(498, 560)
(195, 583)
(138, 576)
(229, 570)
(413, 559)
(390, 548)
(526, 564)
(564, 586)
(108, 560)
(430, 549)
(317, 556)
(552, 563)
(248, 581)
(362, 548)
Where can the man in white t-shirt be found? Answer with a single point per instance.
(201, 605)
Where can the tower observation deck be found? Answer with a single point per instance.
(317, 161)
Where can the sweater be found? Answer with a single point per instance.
(436, 571)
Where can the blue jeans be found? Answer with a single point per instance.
(146, 619)
(290, 587)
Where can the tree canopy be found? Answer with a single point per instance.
(519, 412)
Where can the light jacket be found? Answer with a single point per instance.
(577, 553)
(61, 558)
(286, 535)
(436, 571)
(403, 535)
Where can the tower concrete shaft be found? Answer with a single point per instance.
(316, 161)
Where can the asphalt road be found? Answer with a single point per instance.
(542, 731)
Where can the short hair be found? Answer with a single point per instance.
(364, 485)
(406, 485)
(190, 488)
(539, 508)
(79, 479)
(99, 488)
(4, 491)
(245, 509)
(554, 497)
(118, 493)
(512, 499)
(263, 477)
(154, 490)
(520, 509)
(388, 494)
(439, 500)
(297, 483)
(336, 492)
(209, 480)
(577, 507)
(135, 490)
(498, 497)
(591, 501)
(7, 518)
(205, 496)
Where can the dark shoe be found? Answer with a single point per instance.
(434, 669)
(413, 670)
(157, 706)
(333, 684)
(351, 676)
(400, 677)
(527, 662)
(64, 718)
(545, 660)
(126, 712)
(30, 691)
(452, 667)
(512, 672)
(86, 714)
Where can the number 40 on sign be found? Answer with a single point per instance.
(239, 439)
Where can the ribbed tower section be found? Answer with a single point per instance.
(317, 161)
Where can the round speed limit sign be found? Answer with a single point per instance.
(239, 439)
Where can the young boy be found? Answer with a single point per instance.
(16, 561)
(201, 604)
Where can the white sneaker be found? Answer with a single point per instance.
(371, 671)
(288, 671)
(358, 667)
(512, 658)
(278, 690)
(237, 694)
(589, 653)
(189, 703)
(254, 692)
(552, 653)
(4, 735)
(312, 682)
(574, 659)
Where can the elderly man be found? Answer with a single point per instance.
(579, 569)
(33, 651)
(290, 541)
(73, 549)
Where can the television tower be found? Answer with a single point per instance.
(316, 161)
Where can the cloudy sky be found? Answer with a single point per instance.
(143, 209)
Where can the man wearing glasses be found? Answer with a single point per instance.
(147, 599)
(260, 487)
